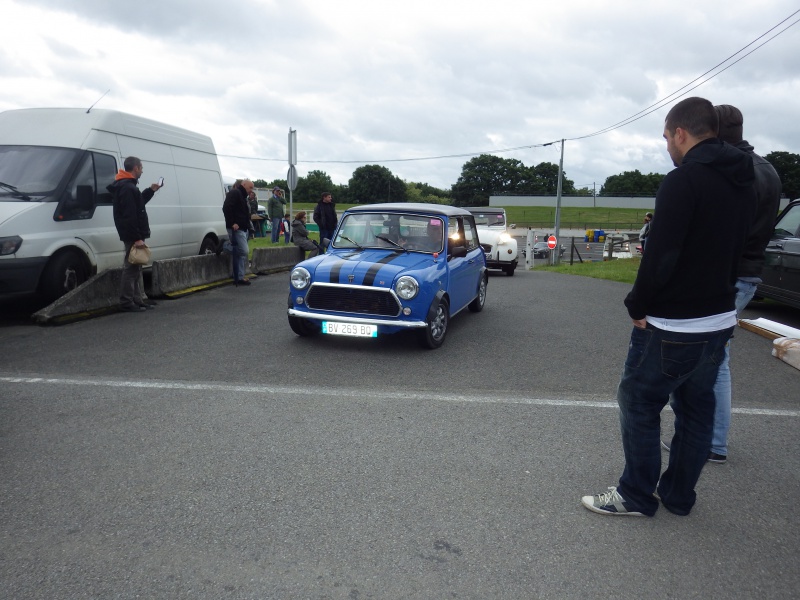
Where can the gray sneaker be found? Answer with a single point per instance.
(610, 503)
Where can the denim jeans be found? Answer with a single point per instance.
(276, 229)
(722, 388)
(659, 364)
(238, 240)
(131, 288)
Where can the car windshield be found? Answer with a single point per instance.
(397, 231)
(789, 225)
(32, 172)
(490, 219)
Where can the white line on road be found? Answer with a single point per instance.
(350, 393)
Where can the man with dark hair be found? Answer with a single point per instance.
(133, 227)
(768, 196)
(237, 221)
(325, 216)
(683, 312)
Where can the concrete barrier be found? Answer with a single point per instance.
(99, 295)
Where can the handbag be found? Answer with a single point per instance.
(139, 255)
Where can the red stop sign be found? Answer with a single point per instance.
(551, 242)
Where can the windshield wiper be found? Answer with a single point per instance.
(385, 239)
(356, 244)
(14, 191)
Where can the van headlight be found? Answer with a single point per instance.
(10, 245)
(504, 238)
(300, 278)
(406, 287)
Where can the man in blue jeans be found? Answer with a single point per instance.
(768, 196)
(683, 313)
(237, 221)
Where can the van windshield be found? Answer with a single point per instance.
(32, 172)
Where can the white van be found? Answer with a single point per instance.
(56, 221)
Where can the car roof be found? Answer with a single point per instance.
(412, 207)
(495, 210)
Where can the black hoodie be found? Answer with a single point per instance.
(703, 212)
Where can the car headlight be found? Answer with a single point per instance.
(10, 245)
(406, 287)
(300, 278)
(504, 238)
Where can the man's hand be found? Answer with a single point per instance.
(235, 227)
(139, 243)
(640, 323)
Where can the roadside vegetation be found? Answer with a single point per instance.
(623, 269)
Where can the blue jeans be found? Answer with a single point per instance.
(722, 388)
(661, 363)
(240, 250)
(276, 229)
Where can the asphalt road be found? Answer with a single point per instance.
(202, 450)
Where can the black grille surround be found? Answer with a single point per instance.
(353, 299)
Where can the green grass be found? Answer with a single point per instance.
(623, 270)
(576, 218)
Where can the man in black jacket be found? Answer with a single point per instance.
(237, 220)
(325, 216)
(683, 312)
(768, 196)
(133, 227)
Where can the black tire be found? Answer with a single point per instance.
(304, 327)
(477, 304)
(209, 245)
(432, 336)
(63, 273)
(509, 269)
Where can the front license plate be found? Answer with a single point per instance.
(349, 329)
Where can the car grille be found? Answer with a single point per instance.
(353, 299)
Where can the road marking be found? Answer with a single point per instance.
(280, 390)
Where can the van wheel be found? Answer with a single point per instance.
(63, 273)
(434, 332)
(304, 327)
(209, 246)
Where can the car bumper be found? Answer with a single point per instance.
(20, 276)
(304, 314)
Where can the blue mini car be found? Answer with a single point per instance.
(389, 268)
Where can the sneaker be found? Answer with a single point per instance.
(609, 503)
(720, 459)
(665, 446)
(147, 306)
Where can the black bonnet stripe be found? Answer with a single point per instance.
(372, 272)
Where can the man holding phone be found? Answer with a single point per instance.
(133, 227)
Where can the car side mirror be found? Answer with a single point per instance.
(459, 252)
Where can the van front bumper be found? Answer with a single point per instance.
(20, 276)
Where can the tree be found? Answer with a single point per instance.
(787, 165)
(632, 183)
(416, 192)
(486, 175)
(311, 187)
(542, 179)
(260, 183)
(373, 184)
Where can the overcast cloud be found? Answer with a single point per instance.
(373, 80)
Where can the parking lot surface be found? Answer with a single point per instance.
(202, 450)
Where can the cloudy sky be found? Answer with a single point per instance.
(378, 82)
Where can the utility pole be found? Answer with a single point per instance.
(557, 250)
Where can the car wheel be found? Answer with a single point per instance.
(432, 336)
(509, 269)
(209, 246)
(64, 273)
(477, 304)
(304, 327)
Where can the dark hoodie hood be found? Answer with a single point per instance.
(734, 164)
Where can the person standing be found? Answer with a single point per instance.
(645, 231)
(325, 216)
(133, 227)
(768, 197)
(683, 314)
(286, 227)
(276, 208)
(237, 220)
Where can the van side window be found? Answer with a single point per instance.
(83, 193)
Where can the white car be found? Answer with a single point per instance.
(498, 245)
